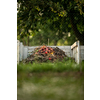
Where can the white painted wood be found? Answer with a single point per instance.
(71, 53)
(21, 51)
(78, 52)
(25, 52)
(74, 45)
(81, 47)
(75, 54)
(18, 42)
(81, 53)
(75, 49)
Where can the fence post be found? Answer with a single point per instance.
(21, 51)
(78, 54)
(18, 47)
(75, 50)
(25, 52)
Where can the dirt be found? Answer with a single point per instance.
(76, 74)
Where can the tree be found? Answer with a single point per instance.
(65, 16)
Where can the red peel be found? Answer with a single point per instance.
(49, 58)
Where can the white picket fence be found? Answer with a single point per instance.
(74, 50)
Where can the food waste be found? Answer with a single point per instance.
(45, 53)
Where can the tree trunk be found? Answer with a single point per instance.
(28, 41)
(76, 32)
(55, 42)
(24, 42)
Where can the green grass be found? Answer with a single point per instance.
(50, 81)
(54, 67)
(50, 86)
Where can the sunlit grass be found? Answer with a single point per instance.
(55, 67)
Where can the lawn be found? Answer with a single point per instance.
(50, 81)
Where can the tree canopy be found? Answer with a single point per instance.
(62, 16)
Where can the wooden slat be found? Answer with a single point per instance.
(81, 47)
(25, 52)
(76, 51)
(74, 45)
(81, 53)
(18, 51)
(21, 51)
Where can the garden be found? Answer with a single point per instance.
(49, 74)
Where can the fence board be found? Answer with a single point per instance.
(21, 51)
(81, 53)
(74, 45)
(76, 51)
(18, 51)
(25, 52)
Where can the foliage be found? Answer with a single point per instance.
(64, 15)
(45, 32)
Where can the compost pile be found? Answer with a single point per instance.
(44, 53)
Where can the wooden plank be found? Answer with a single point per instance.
(82, 57)
(68, 54)
(74, 45)
(25, 52)
(78, 52)
(31, 47)
(81, 47)
(66, 50)
(18, 51)
(74, 52)
(71, 53)
(76, 57)
(21, 51)
(81, 53)
(63, 48)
